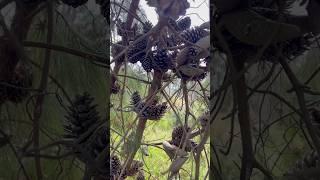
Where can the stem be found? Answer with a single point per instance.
(42, 88)
(74, 52)
(240, 92)
(155, 86)
(186, 100)
(133, 8)
(301, 100)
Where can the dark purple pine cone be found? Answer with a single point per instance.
(152, 112)
(115, 167)
(146, 63)
(135, 98)
(184, 23)
(193, 35)
(178, 132)
(173, 24)
(147, 27)
(136, 51)
(178, 135)
(81, 116)
(134, 58)
(156, 112)
(162, 61)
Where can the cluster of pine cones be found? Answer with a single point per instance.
(157, 58)
(152, 112)
(83, 127)
(134, 170)
(178, 137)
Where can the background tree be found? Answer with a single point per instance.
(50, 52)
(264, 47)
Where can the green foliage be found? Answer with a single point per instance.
(75, 75)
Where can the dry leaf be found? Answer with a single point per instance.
(191, 71)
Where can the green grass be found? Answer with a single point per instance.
(157, 160)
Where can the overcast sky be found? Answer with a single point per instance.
(196, 13)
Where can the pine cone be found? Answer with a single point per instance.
(135, 98)
(142, 44)
(162, 61)
(193, 35)
(139, 56)
(74, 3)
(152, 112)
(192, 56)
(178, 132)
(115, 167)
(146, 63)
(156, 112)
(140, 175)
(136, 51)
(138, 109)
(147, 26)
(82, 115)
(172, 41)
(184, 23)
(115, 88)
(178, 135)
(192, 51)
(174, 25)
